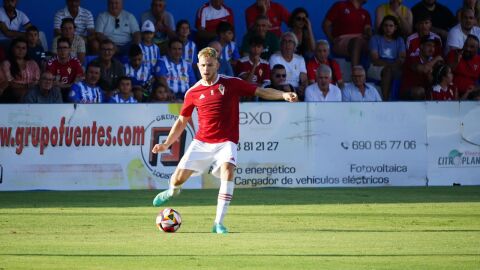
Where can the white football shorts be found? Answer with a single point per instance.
(200, 156)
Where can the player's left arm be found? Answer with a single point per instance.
(272, 94)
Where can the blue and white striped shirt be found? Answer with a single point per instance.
(141, 76)
(230, 51)
(81, 92)
(151, 54)
(190, 52)
(117, 98)
(179, 76)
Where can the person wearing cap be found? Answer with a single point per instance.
(465, 65)
(417, 71)
(163, 21)
(423, 28)
(458, 34)
(151, 52)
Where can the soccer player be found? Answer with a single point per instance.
(216, 98)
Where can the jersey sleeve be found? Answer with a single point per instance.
(243, 88)
(160, 69)
(188, 106)
(74, 95)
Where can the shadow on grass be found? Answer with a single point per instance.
(266, 196)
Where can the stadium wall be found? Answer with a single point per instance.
(41, 13)
(107, 146)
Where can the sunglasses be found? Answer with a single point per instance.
(117, 22)
(280, 75)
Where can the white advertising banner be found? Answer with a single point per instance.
(88, 147)
(453, 143)
(332, 144)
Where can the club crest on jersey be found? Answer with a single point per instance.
(221, 88)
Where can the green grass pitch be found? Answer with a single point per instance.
(329, 228)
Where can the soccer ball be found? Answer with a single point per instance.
(169, 220)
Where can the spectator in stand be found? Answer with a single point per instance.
(465, 65)
(119, 26)
(278, 79)
(358, 90)
(21, 72)
(253, 68)
(348, 27)
(272, 43)
(175, 72)
(111, 69)
(322, 51)
(473, 5)
(301, 26)
(442, 17)
(458, 34)
(423, 27)
(35, 50)
(225, 67)
(208, 18)
(45, 92)
(125, 93)
(323, 90)
(82, 20)
(164, 23)
(141, 73)
(274, 12)
(189, 46)
(387, 51)
(293, 63)
(417, 71)
(12, 21)
(88, 90)
(443, 88)
(161, 94)
(78, 49)
(150, 50)
(399, 11)
(226, 38)
(66, 69)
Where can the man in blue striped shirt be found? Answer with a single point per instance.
(87, 91)
(174, 71)
(151, 52)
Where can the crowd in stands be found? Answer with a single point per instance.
(427, 52)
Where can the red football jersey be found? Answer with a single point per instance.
(410, 78)
(276, 15)
(467, 72)
(313, 64)
(218, 108)
(347, 19)
(413, 44)
(209, 17)
(443, 94)
(262, 71)
(65, 73)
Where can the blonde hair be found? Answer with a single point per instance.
(208, 52)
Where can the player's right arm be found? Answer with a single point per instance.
(177, 129)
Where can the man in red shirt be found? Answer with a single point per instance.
(216, 98)
(348, 27)
(275, 12)
(208, 18)
(322, 51)
(417, 71)
(465, 66)
(66, 70)
(423, 27)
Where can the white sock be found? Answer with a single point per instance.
(173, 190)
(225, 195)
